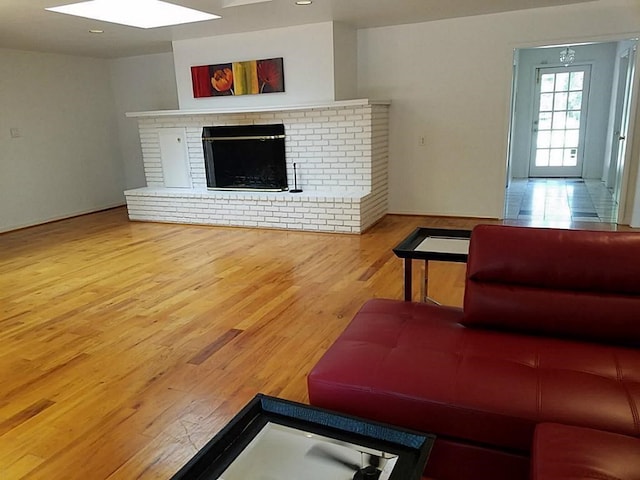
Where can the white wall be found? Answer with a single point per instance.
(140, 83)
(450, 81)
(602, 58)
(308, 64)
(66, 160)
(345, 53)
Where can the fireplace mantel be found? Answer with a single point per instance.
(340, 148)
(256, 109)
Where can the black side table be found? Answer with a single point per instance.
(439, 244)
(276, 438)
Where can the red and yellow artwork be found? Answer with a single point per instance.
(238, 78)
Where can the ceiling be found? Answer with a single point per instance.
(26, 25)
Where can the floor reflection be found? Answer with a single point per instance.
(559, 202)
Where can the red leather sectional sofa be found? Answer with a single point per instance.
(548, 334)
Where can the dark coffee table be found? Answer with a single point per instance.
(439, 244)
(276, 439)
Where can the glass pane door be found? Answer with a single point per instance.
(559, 120)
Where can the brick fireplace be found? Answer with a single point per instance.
(341, 153)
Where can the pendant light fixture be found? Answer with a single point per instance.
(567, 56)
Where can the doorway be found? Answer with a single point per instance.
(562, 121)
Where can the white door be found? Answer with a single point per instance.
(560, 118)
(621, 121)
(174, 157)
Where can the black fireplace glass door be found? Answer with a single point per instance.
(245, 157)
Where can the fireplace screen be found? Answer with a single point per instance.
(245, 157)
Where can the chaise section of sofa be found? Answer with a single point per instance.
(562, 452)
(547, 334)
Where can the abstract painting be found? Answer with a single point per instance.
(238, 78)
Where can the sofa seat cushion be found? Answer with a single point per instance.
(562, 452)
(414, 365)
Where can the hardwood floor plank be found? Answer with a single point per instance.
(209, 350)
(22, 466)
(24, 415)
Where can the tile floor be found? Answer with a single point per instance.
(559, 201)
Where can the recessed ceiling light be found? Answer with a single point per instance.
(304, 2)
(95, 30)
(135, 13)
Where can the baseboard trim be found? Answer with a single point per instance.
(79, 213)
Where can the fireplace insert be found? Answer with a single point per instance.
(245, 157)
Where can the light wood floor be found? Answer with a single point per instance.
(126, 346)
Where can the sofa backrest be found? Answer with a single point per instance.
(563, 283)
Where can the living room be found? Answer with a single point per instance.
(129, 344)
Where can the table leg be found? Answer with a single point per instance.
(407, 280)
(424, 284)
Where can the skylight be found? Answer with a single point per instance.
(135, 13)
(236, 3)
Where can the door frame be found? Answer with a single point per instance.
(624, 206)
(621, 121)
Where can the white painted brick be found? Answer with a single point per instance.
(328, 161)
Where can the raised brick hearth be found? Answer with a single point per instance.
(341, 153)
